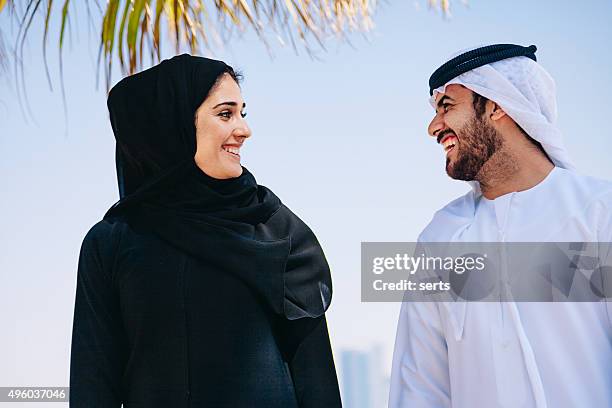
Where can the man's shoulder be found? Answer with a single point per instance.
(586, 188)
(458, 211)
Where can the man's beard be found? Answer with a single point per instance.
(478, 141)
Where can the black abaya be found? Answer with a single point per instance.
(193, 291)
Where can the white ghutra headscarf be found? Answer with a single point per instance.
(527, 93)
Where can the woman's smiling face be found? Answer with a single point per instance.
(221, 130)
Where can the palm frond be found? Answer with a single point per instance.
(131, 29)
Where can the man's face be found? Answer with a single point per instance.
(468, 139)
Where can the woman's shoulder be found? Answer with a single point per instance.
(286, 219)
(107, 227)
(104, 236)
(284, 223)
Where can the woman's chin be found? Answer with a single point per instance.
(222, 170)
(237, 172)
(233, 170)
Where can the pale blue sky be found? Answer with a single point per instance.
(342, 140)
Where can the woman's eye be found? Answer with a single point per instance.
(226, 114)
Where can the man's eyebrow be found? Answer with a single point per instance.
(442, 99)
(229, 103)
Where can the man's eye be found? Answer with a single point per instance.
(445, 107)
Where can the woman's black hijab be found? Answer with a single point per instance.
(217, 221)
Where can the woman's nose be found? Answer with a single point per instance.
(243, 130)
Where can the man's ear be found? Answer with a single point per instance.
(496, 112)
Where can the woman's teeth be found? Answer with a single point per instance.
(233, 150)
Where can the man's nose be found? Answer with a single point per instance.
(436, 126)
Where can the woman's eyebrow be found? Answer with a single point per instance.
(229, 103)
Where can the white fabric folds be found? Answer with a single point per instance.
(527, 93)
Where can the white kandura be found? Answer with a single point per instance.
(512, 354)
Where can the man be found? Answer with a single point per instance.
(495, 119)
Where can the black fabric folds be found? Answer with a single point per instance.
(221, 222)
(195, 291)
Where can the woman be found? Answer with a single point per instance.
(199, 288)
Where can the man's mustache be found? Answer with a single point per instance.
(444, 133)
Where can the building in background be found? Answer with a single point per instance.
(362, 379)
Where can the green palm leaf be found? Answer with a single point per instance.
(132, 28)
